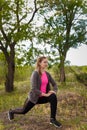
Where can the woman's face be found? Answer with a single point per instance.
(44, 63)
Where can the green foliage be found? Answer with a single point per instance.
(63, 28)
(15, 26)
(23, 73)
(15, 16)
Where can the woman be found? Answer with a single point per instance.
(40, 92)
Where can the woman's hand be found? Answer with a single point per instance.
(48, 94)
(51, 91)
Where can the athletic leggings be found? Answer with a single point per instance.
(52, 99)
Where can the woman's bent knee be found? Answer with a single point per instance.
(53, 96)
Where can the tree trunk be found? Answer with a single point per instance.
(9, 86)
(62, 71)
(9, 78)
(62, 74)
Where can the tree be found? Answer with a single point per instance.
(64, 27)
(15, 25)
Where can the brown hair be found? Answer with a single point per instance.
(39, 60)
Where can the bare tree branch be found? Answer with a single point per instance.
(3, 49)
(4, 35)
(35, 10)
(1, 46)
(17, 15)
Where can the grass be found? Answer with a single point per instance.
(71, 110)
(72, 107)
(1, 126)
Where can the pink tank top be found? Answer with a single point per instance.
(44, 82)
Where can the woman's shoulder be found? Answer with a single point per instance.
(35, 72)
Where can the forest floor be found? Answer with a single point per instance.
(72, 113)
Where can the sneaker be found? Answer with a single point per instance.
(55, 123)
(10, 115)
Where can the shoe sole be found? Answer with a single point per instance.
(55, 125)
(9, 117)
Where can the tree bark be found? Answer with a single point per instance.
(62, 73)
(9, 84)
(62, 70)
(9, 87)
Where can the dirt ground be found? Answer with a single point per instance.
(33, 121)
(24, 122)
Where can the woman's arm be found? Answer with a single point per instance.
(51, 80)
(46, 94)
(35, 83)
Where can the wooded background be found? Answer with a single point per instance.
(23, 38)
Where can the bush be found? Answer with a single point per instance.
(82, 77)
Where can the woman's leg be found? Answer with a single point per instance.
(27, 106)
(53, 105)
(52, 99)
